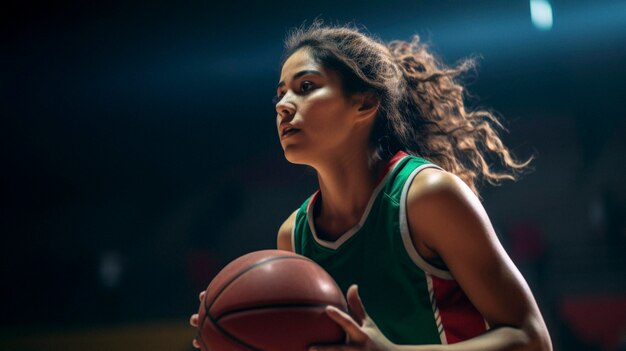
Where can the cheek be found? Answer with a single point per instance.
(327, 114)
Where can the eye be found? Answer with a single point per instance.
(306, 86)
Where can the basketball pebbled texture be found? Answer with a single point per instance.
(270, 300)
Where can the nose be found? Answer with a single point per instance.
(285, 108)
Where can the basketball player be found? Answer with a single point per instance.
(397, 213)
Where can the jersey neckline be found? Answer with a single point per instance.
(334, 245)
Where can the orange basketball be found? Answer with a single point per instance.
(270, 300)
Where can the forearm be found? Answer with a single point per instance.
(500, 339)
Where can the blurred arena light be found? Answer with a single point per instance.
(541, 14)
(110, 269)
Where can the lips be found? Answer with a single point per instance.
(288, 131)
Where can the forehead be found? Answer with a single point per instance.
(299, 60)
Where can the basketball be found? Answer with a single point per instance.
(269, 300)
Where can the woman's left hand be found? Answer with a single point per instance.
(363, 334)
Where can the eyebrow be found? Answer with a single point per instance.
(300, 74)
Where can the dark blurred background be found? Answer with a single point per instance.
(139, 155)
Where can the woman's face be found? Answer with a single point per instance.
(314, 117)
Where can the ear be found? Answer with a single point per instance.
(367, 104)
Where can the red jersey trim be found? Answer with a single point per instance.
(457, 318)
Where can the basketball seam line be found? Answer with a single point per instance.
(217, 319)
(229, 335)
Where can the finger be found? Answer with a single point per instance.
(356, 305)
(201, 296)
(195, 343)
(194, 320)
(347, 323)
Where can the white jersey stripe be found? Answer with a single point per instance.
(431, 293)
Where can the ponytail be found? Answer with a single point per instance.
(436, 125)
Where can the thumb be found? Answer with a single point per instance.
(357, 310)
(349, 325)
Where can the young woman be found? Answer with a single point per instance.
(397, 212)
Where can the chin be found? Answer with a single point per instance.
(296, 156)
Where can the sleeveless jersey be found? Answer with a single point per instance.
(411, 301)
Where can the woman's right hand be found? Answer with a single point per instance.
(194, 321)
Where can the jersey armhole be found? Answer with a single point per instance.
(405, 233)
(293, 232)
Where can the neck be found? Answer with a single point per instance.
(346, 185)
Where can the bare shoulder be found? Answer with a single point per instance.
(438, 201)
(283, 241)
(432, 181)
(434, 187)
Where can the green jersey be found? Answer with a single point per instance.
(411, 301)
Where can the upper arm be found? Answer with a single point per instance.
(445, 215)
(284, 239)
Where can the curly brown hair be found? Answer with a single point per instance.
(422, 109)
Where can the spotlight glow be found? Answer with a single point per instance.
(541, 14)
